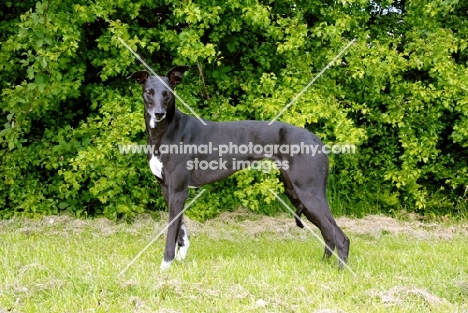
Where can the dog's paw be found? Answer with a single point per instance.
(182, 253)
(165, 265)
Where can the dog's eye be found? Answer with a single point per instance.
(165, 94)
(148, 92)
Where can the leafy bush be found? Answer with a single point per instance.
(399, 93)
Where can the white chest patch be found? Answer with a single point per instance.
(152, 123)
(156, 166)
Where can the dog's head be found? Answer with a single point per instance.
(158, 92)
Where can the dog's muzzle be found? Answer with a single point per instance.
(158, 117)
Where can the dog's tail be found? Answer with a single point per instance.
(297, 217)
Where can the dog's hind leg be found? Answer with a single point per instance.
(318, 212)
(289, 191)
(299, 207)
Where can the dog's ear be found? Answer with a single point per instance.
(140, 76)
(175, 74)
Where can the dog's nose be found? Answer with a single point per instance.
(159, 116)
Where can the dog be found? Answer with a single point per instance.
(304, 176)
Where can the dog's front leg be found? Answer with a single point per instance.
(176, 205)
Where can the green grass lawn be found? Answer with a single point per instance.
(239, 262)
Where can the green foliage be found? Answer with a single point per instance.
(399, 93)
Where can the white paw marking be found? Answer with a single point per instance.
(156, 166)
(165, 265)
(182, 253)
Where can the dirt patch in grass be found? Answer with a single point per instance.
(399, 295)
(285, 227)
(252, 225)
(66, 224)
(227, 225)
(376, 225)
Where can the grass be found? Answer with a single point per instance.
(239, 262)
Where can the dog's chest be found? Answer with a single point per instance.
(156, 166)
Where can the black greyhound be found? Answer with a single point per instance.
(304, 175)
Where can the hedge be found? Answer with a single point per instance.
(399, 93)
